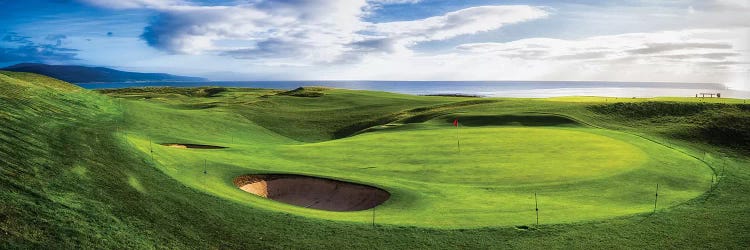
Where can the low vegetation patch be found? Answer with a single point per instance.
(514, 120)
(656, 109)
(305, 92)
(727, 125)
(152, 92)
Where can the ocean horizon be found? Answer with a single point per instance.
(520, 89)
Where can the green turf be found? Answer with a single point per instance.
(579, 173)
(77, 170)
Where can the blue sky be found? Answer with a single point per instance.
(626, 40)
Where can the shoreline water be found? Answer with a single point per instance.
(521, 89)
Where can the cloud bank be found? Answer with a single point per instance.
(710, 47)
(335, 39)
(314, 31)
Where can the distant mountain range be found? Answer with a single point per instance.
(83, 74)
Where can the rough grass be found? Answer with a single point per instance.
(333, 115)
(515, 120)
(167, 91)
(721, 124)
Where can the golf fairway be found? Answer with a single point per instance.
(578, 173)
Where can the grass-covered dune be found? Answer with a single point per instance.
(82, 169)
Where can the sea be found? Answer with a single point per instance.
(525, 89)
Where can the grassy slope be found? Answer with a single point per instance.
(70, 182)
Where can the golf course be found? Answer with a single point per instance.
(315, 167)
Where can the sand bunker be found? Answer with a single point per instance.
(198, 146)
(313, 192)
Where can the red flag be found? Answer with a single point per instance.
(455, 122)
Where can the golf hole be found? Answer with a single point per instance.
(196, 146)
(313, 192)
(525, 228)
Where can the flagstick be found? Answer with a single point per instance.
(151, 149)
(458, 139)
(536, 207)
(656, 197)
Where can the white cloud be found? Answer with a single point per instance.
(719, 14)
(695, 46)
(462, 22)
(707, 55)
(316, 30)
(732, 4)
(328, 31)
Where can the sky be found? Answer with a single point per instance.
(581, 40)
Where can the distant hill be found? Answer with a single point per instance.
(83, 74)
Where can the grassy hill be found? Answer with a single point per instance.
(83, 74)
(77, 168)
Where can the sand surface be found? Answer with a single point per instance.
(312, 192)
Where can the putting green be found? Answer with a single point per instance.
(578, 173)
(478, 156)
